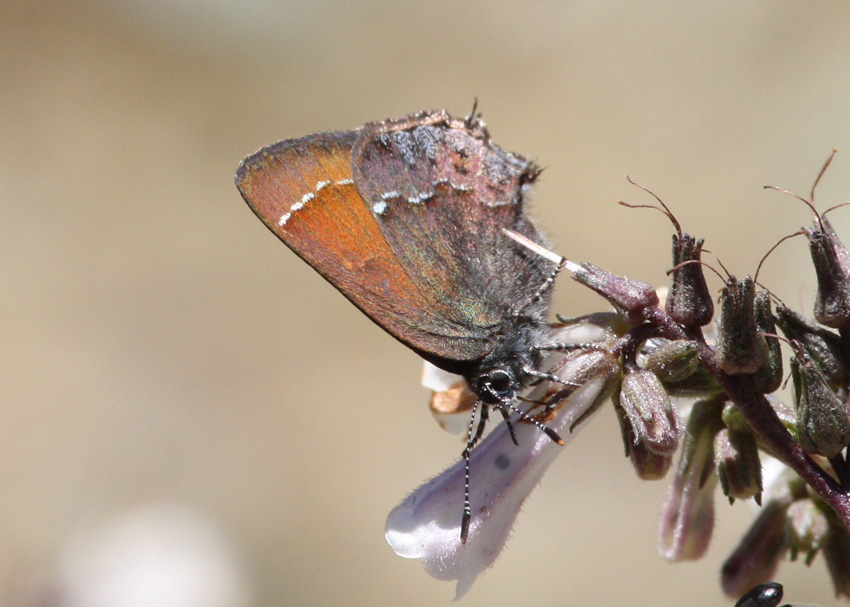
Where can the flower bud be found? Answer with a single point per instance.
(738, 466)
(769, 376)
(630, 297)
(650, 466)
(700, 384)
(823, 419)
(689, 301)
(807, 529)
(821, 345)
(832, 266)
(652, 417)
(740, 347)
(673, 361)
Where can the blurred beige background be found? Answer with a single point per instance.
(161, 349)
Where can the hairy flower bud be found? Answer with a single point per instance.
(768, 378)
(832, 266)
(823, 419)
(650, 466)
(740, 347)
(630, 297)
(653, 419)
(738, 466)
(700, 384)
(821, 345)
(673, 361)
(807, 529)
(689, 301)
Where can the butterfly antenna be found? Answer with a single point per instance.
(482, 422)
(467, 510)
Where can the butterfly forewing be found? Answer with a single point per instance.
(303, 190)
(405, 218)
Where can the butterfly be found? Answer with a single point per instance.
(416, 220)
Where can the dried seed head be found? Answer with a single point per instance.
(740, 347)
(821, 345)
(823, 419)
(768, 378)
(832, 266)
(689, 301)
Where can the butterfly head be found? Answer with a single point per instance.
(502, 374)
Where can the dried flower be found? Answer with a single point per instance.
(741, 348)
(823, 419)
(832, 266)
(689, 301)
(768, 377)
(821, 345)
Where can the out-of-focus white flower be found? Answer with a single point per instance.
(426, 525)
(160, 555)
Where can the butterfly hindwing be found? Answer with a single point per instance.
(428, 175)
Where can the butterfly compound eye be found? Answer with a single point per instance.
(501, 383)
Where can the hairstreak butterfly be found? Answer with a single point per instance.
(414, 220)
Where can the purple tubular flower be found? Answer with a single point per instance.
(687, 520)
(426, 525)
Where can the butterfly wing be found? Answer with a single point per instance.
(442, 194)
(400, 234)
